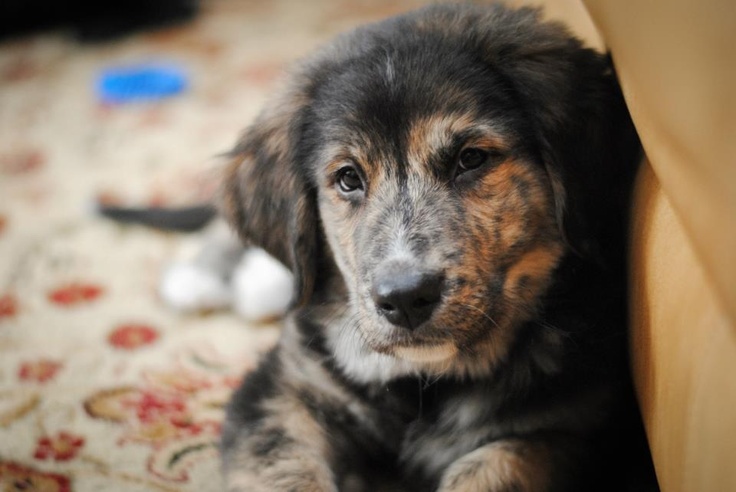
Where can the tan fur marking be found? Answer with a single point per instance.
(536, 268)
(430, 135)
(336, 156)
(423, 354)
(523, 200)
(500, 467)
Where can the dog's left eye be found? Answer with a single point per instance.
(470, 159)
(348, 180)
(473, 158)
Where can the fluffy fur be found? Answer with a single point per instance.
(483, 158)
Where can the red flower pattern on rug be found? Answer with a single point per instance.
(8, 306)
(14, 476)
(133, 336)
(176, 414)
(22, 161)
(75, 293)
(60, 447)
(39, 371)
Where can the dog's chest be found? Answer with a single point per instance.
(427, 426)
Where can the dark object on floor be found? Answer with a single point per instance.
(185, 219)
(92, 21)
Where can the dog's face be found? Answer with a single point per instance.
(431, 160)
(439, 215)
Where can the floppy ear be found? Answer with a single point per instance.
(266, 195)
(585, 137)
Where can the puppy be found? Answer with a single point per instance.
(449, 189)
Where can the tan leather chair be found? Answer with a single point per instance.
(677, 63)
(676, 60)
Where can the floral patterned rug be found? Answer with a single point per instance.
(101, 386)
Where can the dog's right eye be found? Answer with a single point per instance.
(348, 180)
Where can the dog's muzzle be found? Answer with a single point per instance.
(405, 294)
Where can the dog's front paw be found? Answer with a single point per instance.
(502, 466)
(275, 480)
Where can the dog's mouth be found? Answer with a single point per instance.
(416, 348)
(450, 328)
(430, 353)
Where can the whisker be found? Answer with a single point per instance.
(485, 315)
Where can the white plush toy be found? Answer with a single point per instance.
(215, 271)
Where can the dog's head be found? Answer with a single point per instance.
(445, 162)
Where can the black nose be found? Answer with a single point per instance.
(405, 296)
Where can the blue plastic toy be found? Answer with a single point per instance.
(140, 82)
